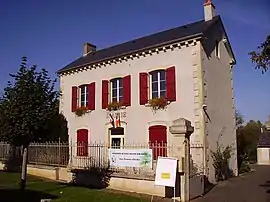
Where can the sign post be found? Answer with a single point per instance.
(166, 172)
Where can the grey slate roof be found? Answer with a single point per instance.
(165, 37)
(264, 140)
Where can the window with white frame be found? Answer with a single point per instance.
(117, 138)
(117, 90)
(84, 96)
(158, 86)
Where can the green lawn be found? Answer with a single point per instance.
(38, 188)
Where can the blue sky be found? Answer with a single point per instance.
(51, 34)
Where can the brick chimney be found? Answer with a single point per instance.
(88, 49)
(209, 10)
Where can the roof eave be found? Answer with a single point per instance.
(230, 51)
(263, 146)
(198, 35)
(228, 45)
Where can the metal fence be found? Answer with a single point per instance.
(48, 154)
(4, 151)
(196, 160)
(97, 155)
(87, 156)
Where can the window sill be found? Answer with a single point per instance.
(148, 105)
(82, 111)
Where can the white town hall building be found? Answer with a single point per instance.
(187, 69)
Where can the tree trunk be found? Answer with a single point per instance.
(24, 168)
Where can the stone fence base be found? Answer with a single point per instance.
(117, 183)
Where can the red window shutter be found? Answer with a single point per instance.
(143, 88)
(105, 93)
(170, 82)
(82, 142)
(74, 98)
(158, 140)
(91, 96)
(127, 90)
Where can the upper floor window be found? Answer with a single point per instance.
(83, 96)
(162, 84)
(158, 80)
(117, 90)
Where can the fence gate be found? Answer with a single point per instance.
(196, 180)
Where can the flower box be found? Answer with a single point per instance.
(114, 106)
(158, 103)
(81, 111)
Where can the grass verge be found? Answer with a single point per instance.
(38, 189)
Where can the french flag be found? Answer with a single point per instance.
(117, 122)
(112, 121)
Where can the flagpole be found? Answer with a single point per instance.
(119, 119)
(112, 121)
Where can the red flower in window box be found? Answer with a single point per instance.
(158, 103)
(80, 111)
(113, 106)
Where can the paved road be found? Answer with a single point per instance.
(251, 187)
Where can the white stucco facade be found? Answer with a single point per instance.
(219, 98)
(137, 118)
(194, 73)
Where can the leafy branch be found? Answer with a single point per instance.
(261, 57)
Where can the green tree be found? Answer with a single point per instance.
(239, 118)
(261, 57)
(55, 130)
(241, 144)
(27, 106)
(251, 132)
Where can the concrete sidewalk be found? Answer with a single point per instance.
(250, 187)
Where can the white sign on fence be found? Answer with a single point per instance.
(166, 171)
(130, 158)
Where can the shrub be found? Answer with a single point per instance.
(221, 162)
(244, 168)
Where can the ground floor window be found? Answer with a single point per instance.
(117, 138)
(82, 142)
(158, 140)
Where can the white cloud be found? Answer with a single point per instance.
(253, 13)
